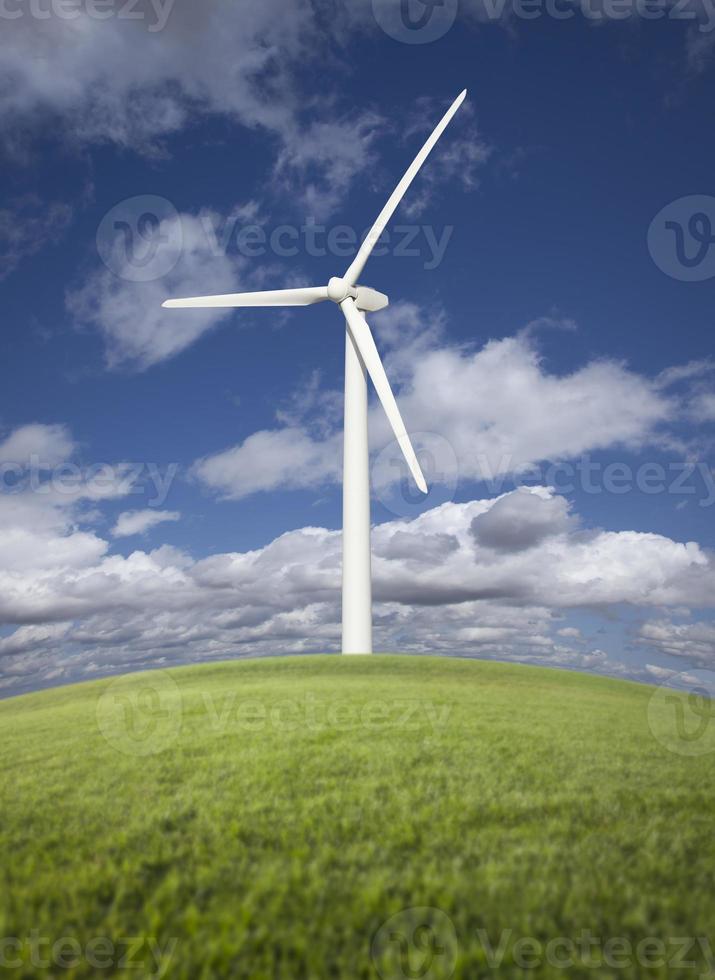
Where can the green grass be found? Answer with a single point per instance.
(273, 840)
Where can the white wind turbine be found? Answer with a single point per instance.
(361, 358)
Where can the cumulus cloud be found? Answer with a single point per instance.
(420, 548)
(133, 522)
(499, 408)
(520, 521)
(437, 589)
(32, 639)
(38, 529)
(271, 460)
(46, 445)
(47, 505)
(665, 674)
(504, 411)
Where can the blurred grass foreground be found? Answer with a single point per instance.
(327, 817)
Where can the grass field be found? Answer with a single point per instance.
(265, 819)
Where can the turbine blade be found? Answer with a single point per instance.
(363, 340)
(276, 297)
(355, 270)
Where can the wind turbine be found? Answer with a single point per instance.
(361, 358)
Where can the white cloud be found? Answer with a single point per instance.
(32, 638)
(694, 642)
(694, 381)
(499, 407)
(29, 553)
(683, 680)
(45, 504)
(271, 460)
(47, 445)
(136, 80)
(129, 315)
(568, 569)
(702, 407)
(437, 589)
(122, 80)
(521, 521)
(685, 372)
(504, 411)
(133, 522)
(335, 150)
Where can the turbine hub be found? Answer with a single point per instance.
(339, 290)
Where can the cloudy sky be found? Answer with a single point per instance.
(170, 480)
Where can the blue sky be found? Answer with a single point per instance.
(545, 331)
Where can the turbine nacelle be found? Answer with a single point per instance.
(366, 299)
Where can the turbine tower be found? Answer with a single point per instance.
(361, 359)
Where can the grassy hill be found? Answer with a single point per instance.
(266, 819)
